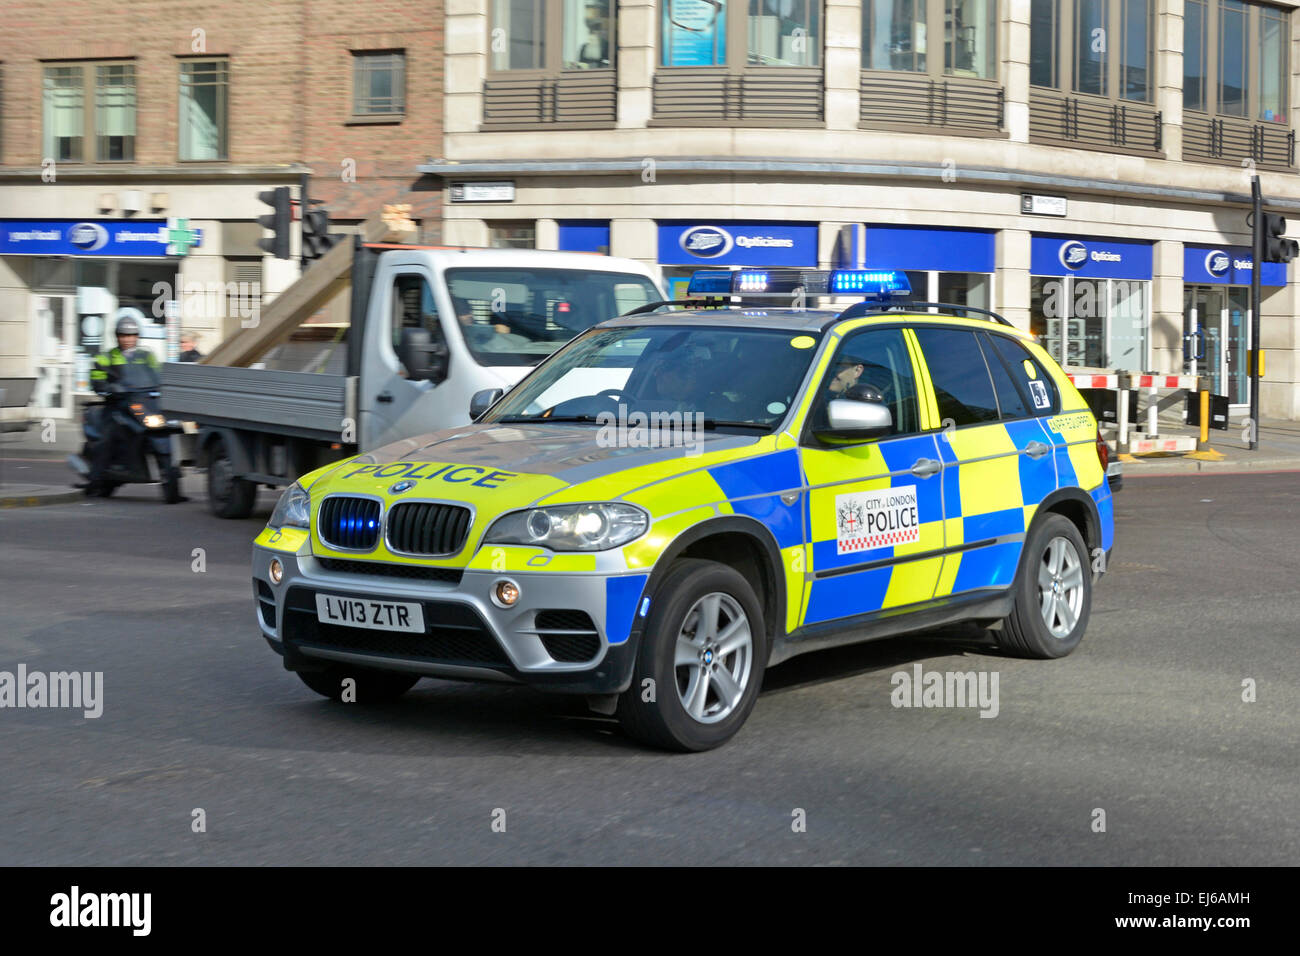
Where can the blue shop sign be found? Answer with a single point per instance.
(1227, 265)
(584, 235)
(1089, 258)
(919, 249)
(738, 244)
(84, 237)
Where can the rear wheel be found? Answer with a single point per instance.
(701, 660)
(229, 496)
(1053, 592)
(368, 687)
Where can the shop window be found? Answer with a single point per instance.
(512, 235)
(204, 94)
(1044, 42)
(110, 122)
(1092, 323)
(378, 83)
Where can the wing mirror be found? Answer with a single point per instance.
(423, 357)
(850, 420)
(481, 401)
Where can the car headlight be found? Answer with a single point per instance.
(293, 509)
(154, 421)
(593, 527)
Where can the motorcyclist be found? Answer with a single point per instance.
(116, 374)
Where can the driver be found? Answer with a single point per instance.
(476, 335)
(111, 368)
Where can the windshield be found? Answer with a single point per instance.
(739, 378)
(520, 316)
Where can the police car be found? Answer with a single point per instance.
(693, 492)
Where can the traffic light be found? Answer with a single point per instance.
(278, 221)
(316, 237)
(1276, 248)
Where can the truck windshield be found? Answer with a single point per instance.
(520, 316)
(734, 377)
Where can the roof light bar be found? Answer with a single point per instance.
(867, 283)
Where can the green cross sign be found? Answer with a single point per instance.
(180, 237)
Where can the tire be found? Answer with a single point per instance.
(691, 588)
(372, 687)
(1055, 556)
(229, 496)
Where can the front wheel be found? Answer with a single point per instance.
(1053, 592)
(701, 660)
(367, 687)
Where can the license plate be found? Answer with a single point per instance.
(376, 615)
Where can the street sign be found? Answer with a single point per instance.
(1032, 205)
(483, 192)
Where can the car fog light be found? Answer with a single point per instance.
(276, 571)
(506, 593)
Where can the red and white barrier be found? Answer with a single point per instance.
(1123, 382)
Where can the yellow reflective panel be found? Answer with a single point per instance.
(914, 582)
(523, 558)
(283, 539)
(803, 342)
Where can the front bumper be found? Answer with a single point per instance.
(467, 636)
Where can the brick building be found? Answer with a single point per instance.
(116, 118)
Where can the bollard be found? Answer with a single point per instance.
(1121, 405)
(1203, 450)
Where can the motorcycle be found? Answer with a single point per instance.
(138, 431)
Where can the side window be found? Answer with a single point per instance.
(413, 308)
(1011, 403)
(877, 358)
(962, 386)
(1029, 375)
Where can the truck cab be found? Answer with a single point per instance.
(425, 329)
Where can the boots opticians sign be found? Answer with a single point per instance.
(114, 239)
(1090, 258)
(738, 243)
(1227, 265)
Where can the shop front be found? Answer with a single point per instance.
(1216, 315)
(1090, 300)
(82, 275)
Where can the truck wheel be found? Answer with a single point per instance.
(1053, 592)
(229, 496)
(701, 660)
(372, 687)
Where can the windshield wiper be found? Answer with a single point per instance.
(711, 423)
(519, 419)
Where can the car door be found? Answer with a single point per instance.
(997, 458)
(875, 511)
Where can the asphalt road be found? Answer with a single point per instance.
(1145, 721)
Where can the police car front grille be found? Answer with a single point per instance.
(413, 571)
(351, 524)
(425, 527)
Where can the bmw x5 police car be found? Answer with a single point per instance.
(693, 492)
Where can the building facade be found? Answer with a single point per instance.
(1081, 166)
(136, 138)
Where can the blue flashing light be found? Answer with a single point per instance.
(870, 282)
(750, 281)
(710, 282)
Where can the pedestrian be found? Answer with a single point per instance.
(189, 349)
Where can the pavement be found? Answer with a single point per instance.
(32, 469)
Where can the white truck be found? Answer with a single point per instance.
(427, 329)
